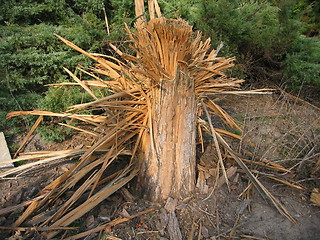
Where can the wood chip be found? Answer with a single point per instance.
(230, 172)
(5, 156)
(315, 196)
(173, 223)
(171, 204)
(201, 183)
(127, 195)
(89, 221)
(244, 204)
(124, 213)
(173, 227)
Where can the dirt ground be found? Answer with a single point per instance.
(281, 129)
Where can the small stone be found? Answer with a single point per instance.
(171, 204)
(4, 153)
(205, 232)
(18, 197)
(104, 215)
(31, 192)
(90, 221)
(124, 213)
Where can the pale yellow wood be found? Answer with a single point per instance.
(169, 169)
(139, 9)
(151, 9)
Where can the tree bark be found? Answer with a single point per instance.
(169, 150)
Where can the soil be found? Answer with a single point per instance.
(283, 131)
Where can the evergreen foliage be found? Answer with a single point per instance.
(32, 57)
(302, 64)
(266, 36)
(309, 11)
(257, 32)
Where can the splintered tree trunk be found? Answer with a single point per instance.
(168, 168)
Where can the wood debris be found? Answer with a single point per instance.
(173, 223)
(169, 55)
(315, 196)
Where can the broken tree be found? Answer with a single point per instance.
(174, 60)
(153, 114)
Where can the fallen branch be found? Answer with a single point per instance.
(109, 224)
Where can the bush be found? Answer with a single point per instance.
(58, 99)
(258, 33)
(265, 36)
(32, 57)
(309, 12)
(302, 64)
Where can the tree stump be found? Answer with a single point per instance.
(168, 167)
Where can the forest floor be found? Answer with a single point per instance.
(282, 130)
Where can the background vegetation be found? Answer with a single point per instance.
(274, 40)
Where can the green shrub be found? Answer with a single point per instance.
(51, 132)
(265, 36)
(31, 56)
(258, 33)
(302, 64)
(58, 99)
(309, 12)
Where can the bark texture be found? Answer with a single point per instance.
(170, 150)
